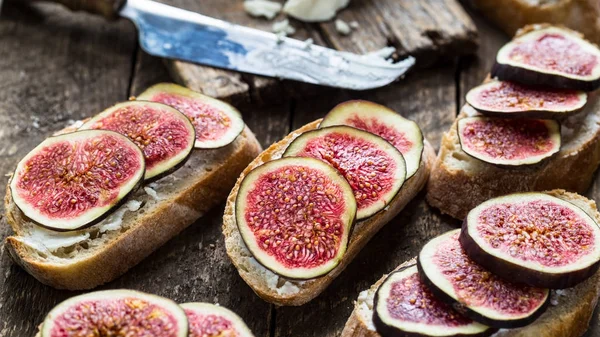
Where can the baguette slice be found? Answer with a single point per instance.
(87, 258)
(511, 15)
(281, 291)
(460, 182)
(568, 315)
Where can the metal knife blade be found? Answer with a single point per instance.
(175, 33)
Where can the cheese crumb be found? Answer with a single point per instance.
(283, 28)
(314, 10)
(264, 8)
(342, 27)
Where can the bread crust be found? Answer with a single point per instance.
(570, 318)
(511, 15)
(146, 235)
(455, 191)
(363, 231)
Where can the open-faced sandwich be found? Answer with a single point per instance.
(92, 201)
(533, 126)
(303, 209)
(523, 264)
(132, 313)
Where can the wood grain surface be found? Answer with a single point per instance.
(56, 66)
(430, 30)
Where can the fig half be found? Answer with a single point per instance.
(374, 168)
(295, 216)
(116, 313)
(212, 320)
(216, 122)
(550, 56)
(74, 180)
(510, 99)
(509, 142)
(404, 306)
(377, 119)
(476, 292)
(533, 238)
(164, 134)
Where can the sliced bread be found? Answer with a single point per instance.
(460, 182)
(283, 291)
(568, 315)
(510, 15)
(157, 212)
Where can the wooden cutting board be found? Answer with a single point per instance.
(430, 30)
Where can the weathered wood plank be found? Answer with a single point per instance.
(429, 99)
(54, 67)
(426, 29)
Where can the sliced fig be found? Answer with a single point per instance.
(404, 306)
(476, 292)
(550, 56)
(116, 313)
(510, 99)
(217, 123)
(374, 168)
(533, 238)
(74, 180)
(164, 134)
(377, 119)
(209, 320)
(509, 142)
(295, 216)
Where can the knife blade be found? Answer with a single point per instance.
(175, 33)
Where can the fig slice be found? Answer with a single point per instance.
(510, 99)
(116, 313)
(377, 119)
(212, 320)
(164, 134)
(474, 291)
(509, 142)
(404, 306)
(74, 180)
(374, 168)
(550, 56)
(533, 238)
(217, 123)
(295, 216)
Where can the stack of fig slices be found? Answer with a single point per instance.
(296, 213)
(132, 313)
(494, 273)
(540, 78)
(76, 179)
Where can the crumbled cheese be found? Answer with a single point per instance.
(151, 192)
(354, 24)
(273, 279)
(314, 10)
(283, 28)
(264, 8)
(308, 43)
(115, 220)
(342, 27)
(47, 240)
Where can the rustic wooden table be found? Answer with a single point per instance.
(56, 67)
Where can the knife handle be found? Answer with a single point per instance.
(106, 8)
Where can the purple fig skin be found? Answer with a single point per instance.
(516, 273)
(389, 331)
(467, 312)
(505, 72)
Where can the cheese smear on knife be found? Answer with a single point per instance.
(314, 10)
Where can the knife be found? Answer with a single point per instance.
(174, 33)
